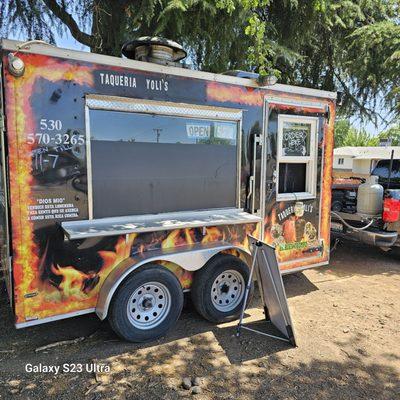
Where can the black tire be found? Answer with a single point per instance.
(136, 289)
(336, 206)
(202, 288)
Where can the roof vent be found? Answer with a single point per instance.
(241, 74)
(156, 50)
(268, 80)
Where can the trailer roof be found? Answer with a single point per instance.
(50, 50)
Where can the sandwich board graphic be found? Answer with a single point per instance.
(272, 291)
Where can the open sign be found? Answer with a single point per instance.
(197, 131)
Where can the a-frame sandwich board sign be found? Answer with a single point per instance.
(272, 291)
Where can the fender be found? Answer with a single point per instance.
(190, 258)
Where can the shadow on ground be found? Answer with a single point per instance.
(349, 259)
(190, 322)
(248, 367)
(155, 373)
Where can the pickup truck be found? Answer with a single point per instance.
(382, 171)
(346, 223)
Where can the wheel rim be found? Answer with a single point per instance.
(227, 290)
(149, 305)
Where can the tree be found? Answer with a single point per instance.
(352, 45)
(359, 137)
(348, 135)
(391, 133)
(342, 131)
(209, 29)
(212, 32)
(377, 70)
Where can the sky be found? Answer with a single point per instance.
(65, 41)
(369, 127)
(68, 42)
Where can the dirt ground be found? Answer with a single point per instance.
(346, 318)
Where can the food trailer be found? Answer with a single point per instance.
(129, 181)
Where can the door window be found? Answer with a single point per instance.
(297, 153)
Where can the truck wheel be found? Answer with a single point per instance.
(218, 288)
(146, 305)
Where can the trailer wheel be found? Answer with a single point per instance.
(146, 305)
(218, 288)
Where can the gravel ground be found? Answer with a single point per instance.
(346, 318)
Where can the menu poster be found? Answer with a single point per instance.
(296, 139)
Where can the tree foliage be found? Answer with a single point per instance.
(348, 135)
(350, 45)
(392, 133)
(211, 30)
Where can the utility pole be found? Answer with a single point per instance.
(157, 131)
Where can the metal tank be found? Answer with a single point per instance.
(370, 197)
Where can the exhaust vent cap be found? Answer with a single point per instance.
(241, 74)
(154, 49)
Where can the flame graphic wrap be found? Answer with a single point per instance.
(51, 276)
(46, 136)
(77, 290)
(236, 94)
(20, 120)
(302, 238)
(300, 241)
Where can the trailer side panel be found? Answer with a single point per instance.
(46, 129)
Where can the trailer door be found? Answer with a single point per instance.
(292, 185)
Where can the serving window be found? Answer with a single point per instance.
(152, 157)
(296, 157)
